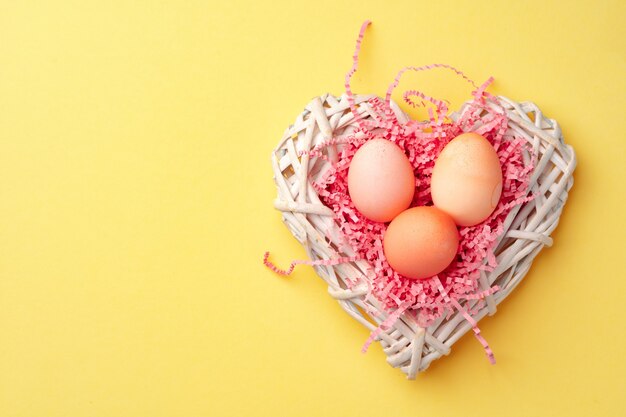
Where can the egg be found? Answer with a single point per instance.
(381, 182)
(467, 179)
(421, 242)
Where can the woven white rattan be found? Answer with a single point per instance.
(408, 346)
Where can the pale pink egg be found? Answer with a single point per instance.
(421, 242)
(467, 179)
(381, 182)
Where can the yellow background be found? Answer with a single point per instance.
(136, 203)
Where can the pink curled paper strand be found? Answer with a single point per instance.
(481, 295)
(385, 325)
(292, 266)
(396, 80)
(355, 64)
(470, 320)
(442, 108)
(481, 92)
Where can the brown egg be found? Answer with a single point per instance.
(467, 179)
(381, 182)
(421, 242)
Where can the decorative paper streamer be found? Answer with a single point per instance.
(385, 325)
(292, 266)
(355, 64)
(396, 80)
(471, 321)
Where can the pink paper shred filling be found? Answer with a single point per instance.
(422, 141)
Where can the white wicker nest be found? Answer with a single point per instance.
(527, 228)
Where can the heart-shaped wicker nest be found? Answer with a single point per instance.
(526, 230)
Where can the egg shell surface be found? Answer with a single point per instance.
(381, 181)
(421, 242)
(467, 179)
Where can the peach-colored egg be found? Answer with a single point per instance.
(467, 179)
(381, 180)
(421, 242)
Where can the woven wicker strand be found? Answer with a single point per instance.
(408, 346)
